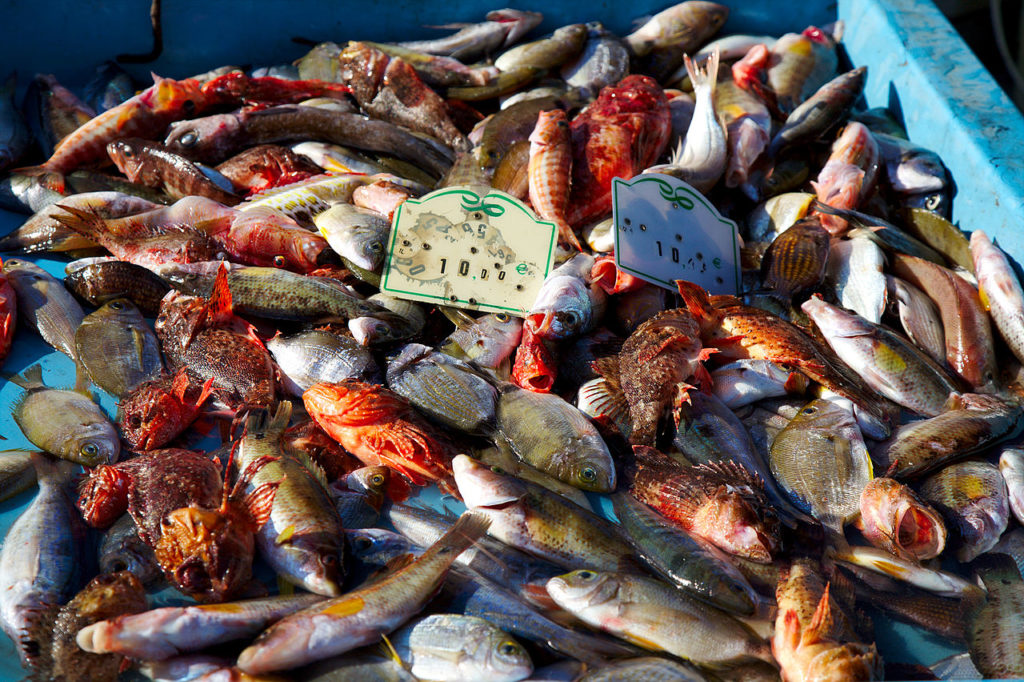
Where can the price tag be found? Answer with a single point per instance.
(666, 230)
(455, 247)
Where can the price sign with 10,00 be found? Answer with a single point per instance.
(469, 247)
(666, 230)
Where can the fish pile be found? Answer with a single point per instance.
(837, 439)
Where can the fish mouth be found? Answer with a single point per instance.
(541, 323)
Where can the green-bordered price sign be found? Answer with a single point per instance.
(455, 247)
(666, 230)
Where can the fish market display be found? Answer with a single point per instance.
(613, 480)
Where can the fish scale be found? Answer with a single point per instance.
(796, 261)
(549, 171)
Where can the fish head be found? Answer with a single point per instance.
(207, 553)
(504, 657)
(747, 140)
(729, 521)
(917, 172)
(563, 308)
(485, 487)
(201, 139)
(103, 496)
(111, 590)
(552, 128)
(166, 95)
(371, 481)
(127, 155)
(582, 589)
(376, 547)
(95, 444)
(818, 36)
(151, 415)
(366, 247)
(380, 328)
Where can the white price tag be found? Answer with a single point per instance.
(455, 247)
(666, 230)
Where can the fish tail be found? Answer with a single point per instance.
(48, 177)
(29, 379)
(815, 631)
(82, 379)
(567, 235)
(706, 76)
(85, 223)
(464, 533)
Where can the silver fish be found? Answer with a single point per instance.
(972, 498)
(316, 356)
(1011, 466)
(919, 316)
(1000, 290)
(567, 304)
(603, 61)
(358, 235)
(123, 550)
(488, 342)
(855, 272)
(45, 304)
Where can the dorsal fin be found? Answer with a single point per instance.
(607, 367)
(734, 471)
(219, 307)
(815, 631)
(696, 299)
(311, 466)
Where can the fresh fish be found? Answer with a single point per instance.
(398, 320)
(158, 411)
(895, 519)
(701, 159)
(14, 134)
(130, 351)
(849, 174)
(502, 27)
(512, 175)
(53, 112)
(956, 667)
(380, 427)
(820, 112)
(604, 61)
(315, 356)
(969, 349)
(643, 668)
(302, 538)
(747, 381)
(443, 71)
(334, 158)
(972, 498)
(720, 502)
(549, 172)
(266, 166)
(695, 565)
(941, 235)
(884, 360)
(776, 215)
(26, 194)
(855, 272)
(748, 127)
(568, 303)
(792, 69)
(151, 165)
(443, 388)
(971, 424)
(106, 596)
(453, 647)
(502, 456)
(919, 316)
(41, 562)
(535, 367)
(674, 32)
(302, 201)
(100, 283)
(45, 304)
(657, 617)
(487, 341)
(909, 168)
(111, 86)
(995, 628)
(796, 260)
(164, 633)
(1000, 290)
(66, 424)
(821, 461)
(362, 616)
(550, 434)
(17, 474)
(539, 522)
(1011, 465)
(123, 550)
(561, 46)
(358, 235)
(359, 496)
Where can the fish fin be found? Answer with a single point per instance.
(609, 400)
(703, 376)
(398, 563)
(460, 318)
(791, 629)
(651, 352)
(389, 651)
(695, 297)
(219, 306)
(49, 178)
(311, 465)
(469, 528)
(260, 502)
(607, 368)
(796, 383)
(206, 392)
(31, 378)
(537, 594)
(816, 631)
(85, 223)
(82, 380)
(734, 471)
(706, 75)
(648, 456)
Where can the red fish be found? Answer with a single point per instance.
(265, 167)
(380, 427)
(8, 314)
(382, 196)
(157, 411)
(145, 115)
(623, 132)
(264, 237)
(236, 88)
(549, 172)
(614, 281)
(308, 437)
(849, 174)
(535, 368)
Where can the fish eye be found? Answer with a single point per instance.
(189, 139)
(502, 317)
(508, 649)
(189, 107)
(134, 421)
(809, 410)
(586, 575)
(117, 305)
(588, 474)
(571, 318)
(362, 544)
(128, 152)
(279, 261)
(90, 450)
(499, 471)
(562, 124)
(376, 247)
(377, 479)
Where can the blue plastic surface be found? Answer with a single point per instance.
(916, 64)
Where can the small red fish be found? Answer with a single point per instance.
(157, 411)
(308, 437)
(145, 115)
(849, 174)
(264, 237)
(614, 281)
(382, 196)
(265, 167)
(236, 88)
(623, 132)
(549, 172)
(8, 314)
(535, 368)
(380, 427)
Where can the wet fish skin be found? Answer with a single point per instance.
(66, 424)
(488, 341)
(45, 304)
(919, 316)
(106, 596)
(358, 235)
(973, 499)
(49, 527)
(657, 617)
(1011, 465)
(151, 165)
(99, 283)
(502, 456)
(502, 27)
(17, 474)
(683, 27)
(797, 259)
(130, 350)
(549, 171)
(448, 646)
(820, 111)
(603, 61)
(444, 388)
(855, 271)
(315, 356)
(895, 519)
(163, 633)
(564, 44)
(362, 616)
(697, 566)
(550, 434)
(1000, 291)
(995, 627)
(884, 360)
(123, 550)
(568, 303)
(540, 522)
(643, 668)
(747, 381)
